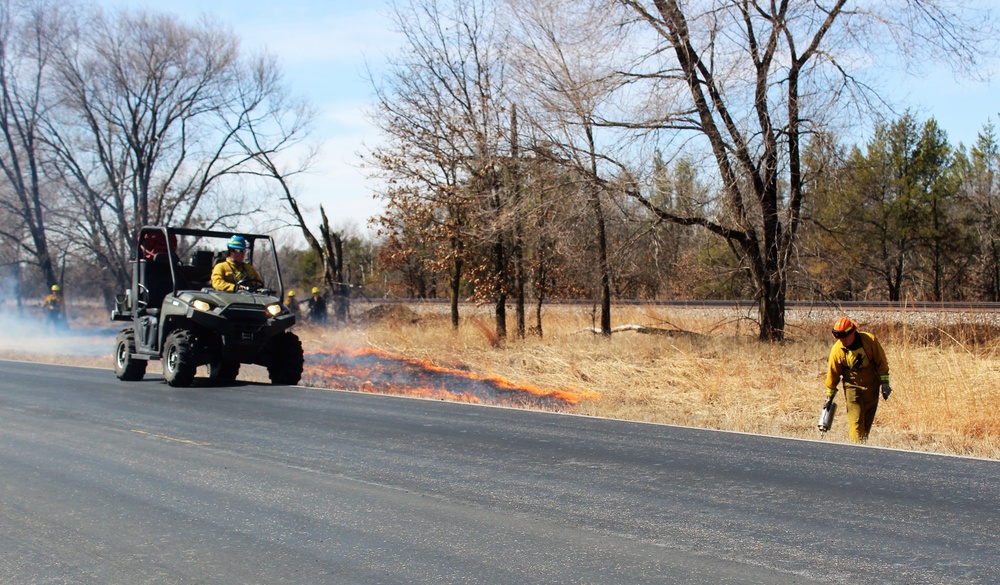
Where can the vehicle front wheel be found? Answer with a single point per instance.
(178, 358)
(127, 368)
(287, 360)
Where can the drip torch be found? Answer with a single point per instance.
(826, 415)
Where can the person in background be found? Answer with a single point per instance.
(317, 307)
(858, 360)
(227, 274)
(154, 243)
(291, 303)
(55, 308)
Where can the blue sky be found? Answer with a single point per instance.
(961, 106)
(324, 46)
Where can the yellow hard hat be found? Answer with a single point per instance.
(291, 293)
(55, 288)
(315, 289)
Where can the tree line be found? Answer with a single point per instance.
(908, 215)
(624, 148)
(530, 150)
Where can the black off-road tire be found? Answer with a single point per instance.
(286, 359)
(223, 370)
(127, 368)
(178, 358)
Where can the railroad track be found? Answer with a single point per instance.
(748, 305)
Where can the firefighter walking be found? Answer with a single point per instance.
(858, 360)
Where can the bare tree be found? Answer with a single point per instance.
(158, 123)
(447, 158)
(426, 208)
(566, 72)
(30, 36)
(272, 124)
(760, 75)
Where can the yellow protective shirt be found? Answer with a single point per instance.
(226, 274)
(862, 366)
(54, 303)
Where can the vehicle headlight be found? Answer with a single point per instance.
(201, 305)
(274, 310)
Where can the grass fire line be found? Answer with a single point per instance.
(372, 370)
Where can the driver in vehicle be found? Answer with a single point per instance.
(233, 273)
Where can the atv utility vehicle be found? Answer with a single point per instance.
(176, 316)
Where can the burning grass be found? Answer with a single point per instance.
(372, 370)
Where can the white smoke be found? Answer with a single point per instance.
(24, 330)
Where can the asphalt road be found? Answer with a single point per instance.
(110, 482)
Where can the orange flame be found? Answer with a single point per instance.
(371, 370)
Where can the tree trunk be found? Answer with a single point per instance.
(994, 269)
(771, 307)
(517, 250)
(454, 289)
(538, 316)
(500, 307)
(602, 238)
(18, 288)
(896, 280)
(333, 269)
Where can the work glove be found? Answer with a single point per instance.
(886, 390)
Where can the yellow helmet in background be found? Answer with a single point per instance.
(55, 288)
(315, 290)
(291, 293)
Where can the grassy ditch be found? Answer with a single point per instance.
(693, 367)
(704, 368)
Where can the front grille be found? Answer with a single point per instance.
(246, 322)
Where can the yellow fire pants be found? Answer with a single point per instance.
(861, 407)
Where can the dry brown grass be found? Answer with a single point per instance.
(710, 373)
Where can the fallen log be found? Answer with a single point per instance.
(642, 329)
